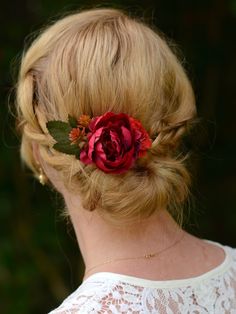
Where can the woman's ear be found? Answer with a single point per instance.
(43, 179)
(51, 173)
(35, 149)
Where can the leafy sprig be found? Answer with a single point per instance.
(60, 131)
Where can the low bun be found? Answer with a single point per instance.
(103, 60)
(137, 194)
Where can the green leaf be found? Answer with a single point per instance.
(59, 130)
(72, 121)
(67, 148)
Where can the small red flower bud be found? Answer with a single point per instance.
(74, 135)
(84, 120)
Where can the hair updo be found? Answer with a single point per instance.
(103, 60)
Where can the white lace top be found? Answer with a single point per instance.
(108, 293)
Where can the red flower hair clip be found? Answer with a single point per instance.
(111, 141)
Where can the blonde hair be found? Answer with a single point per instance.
(101, 60)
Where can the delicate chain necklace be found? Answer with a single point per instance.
(146, 256)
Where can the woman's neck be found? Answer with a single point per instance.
(99, 241)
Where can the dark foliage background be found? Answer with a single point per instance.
(39, 259)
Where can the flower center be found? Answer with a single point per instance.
(110, 146)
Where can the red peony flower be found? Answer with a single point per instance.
(115, 141)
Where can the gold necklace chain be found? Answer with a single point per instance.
(146, 256)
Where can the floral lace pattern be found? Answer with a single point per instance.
(110, 293)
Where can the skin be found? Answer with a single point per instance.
(188, 256)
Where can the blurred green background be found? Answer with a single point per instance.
(40, 262)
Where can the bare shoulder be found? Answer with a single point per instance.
(211, 254)
(192, 257)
